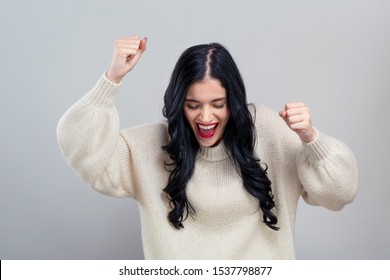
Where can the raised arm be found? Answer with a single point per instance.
(327, 168)
(88, 133)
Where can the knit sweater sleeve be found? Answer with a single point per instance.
(90, 141)
(328, 171)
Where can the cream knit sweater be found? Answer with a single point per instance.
(228, 222)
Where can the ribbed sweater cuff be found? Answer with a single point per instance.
(317, 148)
(104, 92)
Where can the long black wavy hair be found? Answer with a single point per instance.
(198, 63)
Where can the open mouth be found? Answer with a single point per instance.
(207, 131)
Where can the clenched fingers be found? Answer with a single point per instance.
(297, 117)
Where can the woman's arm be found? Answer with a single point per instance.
(328, 171)
(88, 133)
(327, 168)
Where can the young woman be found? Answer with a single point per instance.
(220, 179)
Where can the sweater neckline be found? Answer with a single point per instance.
(216, 153)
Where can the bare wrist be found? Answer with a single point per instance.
(113, 78)
(310, 138)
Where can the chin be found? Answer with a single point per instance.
(208, 142)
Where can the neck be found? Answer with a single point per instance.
(215, 153)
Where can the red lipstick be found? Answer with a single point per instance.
(207, 131)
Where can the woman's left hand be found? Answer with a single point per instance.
(297, 117)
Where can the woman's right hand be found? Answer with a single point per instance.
(127, 52)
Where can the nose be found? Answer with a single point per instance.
(206, 115)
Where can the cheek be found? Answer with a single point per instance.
(186, 114)
(189, 117)
(224, 116)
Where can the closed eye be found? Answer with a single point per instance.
(192, 107)
(219, 106)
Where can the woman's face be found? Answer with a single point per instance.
(206, 110)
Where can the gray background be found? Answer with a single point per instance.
(333, 55)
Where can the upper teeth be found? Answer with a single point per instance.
(207, 126)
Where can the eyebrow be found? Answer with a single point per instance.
(214, 100)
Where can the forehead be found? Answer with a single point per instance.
(206, 90)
